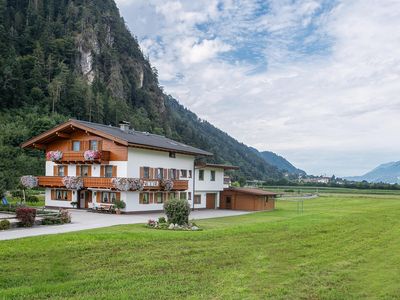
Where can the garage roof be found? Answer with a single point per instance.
(252, 191)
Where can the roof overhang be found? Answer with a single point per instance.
(216, 166)
(62, 131)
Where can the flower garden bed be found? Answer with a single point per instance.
(162, 224)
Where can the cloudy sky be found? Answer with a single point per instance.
(315, 81)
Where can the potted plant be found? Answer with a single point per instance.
(118, 205)
(74, 204)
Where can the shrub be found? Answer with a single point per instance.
(177, 211)
(32, 199)
(51, 221)
(162, 220)
(5, 224)
(119, 204)
(26, 216)
(65, 216)
(17, 194)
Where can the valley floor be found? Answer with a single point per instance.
(341, 247)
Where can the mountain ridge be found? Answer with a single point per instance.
(386, 173)
(280, 162)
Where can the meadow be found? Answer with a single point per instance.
(343, 246)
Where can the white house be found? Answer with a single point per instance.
(210, 181)
(92, 164)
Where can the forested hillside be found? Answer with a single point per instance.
(62, 58)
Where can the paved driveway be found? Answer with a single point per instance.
(82, 220)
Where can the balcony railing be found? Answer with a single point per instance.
(105, 183)
(78, 157)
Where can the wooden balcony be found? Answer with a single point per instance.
(78, 157)
(105, 183)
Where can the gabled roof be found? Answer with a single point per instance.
(129, 137)
(216, 166)
(251, 191)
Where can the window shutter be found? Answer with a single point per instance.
(69, 195)
(89, 171)
(165, 173)
(102, 171)
(70, 145)
(177, 172)
(65, 170)
(118, 196)
(55, 170)
(151, 197)
(78, 170)
(53, 194)
(164, 197)
(114, 171)
(141, 172)
(100, 145)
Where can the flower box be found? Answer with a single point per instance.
(54, 155)
(92, 155)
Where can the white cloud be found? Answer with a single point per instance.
(328, 110)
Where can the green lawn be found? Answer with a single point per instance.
(341, 247)
(329, 190)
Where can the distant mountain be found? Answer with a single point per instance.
(387, 173)
(280, 162)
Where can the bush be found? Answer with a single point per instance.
(177, 211)
(16, 194)
(26, 216)
(119, 204)
(162, 220)
(65, 216)
(51, 221)
(32, 199)
(5, 224)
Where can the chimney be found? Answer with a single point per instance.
(124, 126)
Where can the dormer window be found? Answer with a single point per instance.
(76, 146)
(172, 154)
(212, 175)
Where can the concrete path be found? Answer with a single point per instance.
(82, 220)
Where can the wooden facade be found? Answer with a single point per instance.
(247, 199)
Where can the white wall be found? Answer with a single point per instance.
(156, 159)
(122, 167)
(55, 203)
(207, 184)
(203, 199)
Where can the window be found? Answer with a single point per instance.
(76, 146)
(61, 170)
(184, 173)
(94, 145)
(108, 171)
(189, 195)
(197, 199)
(172, 154)
(159, 198)
(190, 173)
(172, 173)
(172, 196)
(183, 195)
(144, 198)
(212, 175)
(61, 195)
(146, 172)
(160, 173)
(201, 175)
(108, 197)
(84, 171)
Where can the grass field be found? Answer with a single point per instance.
(329, 190)
(341, 247)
